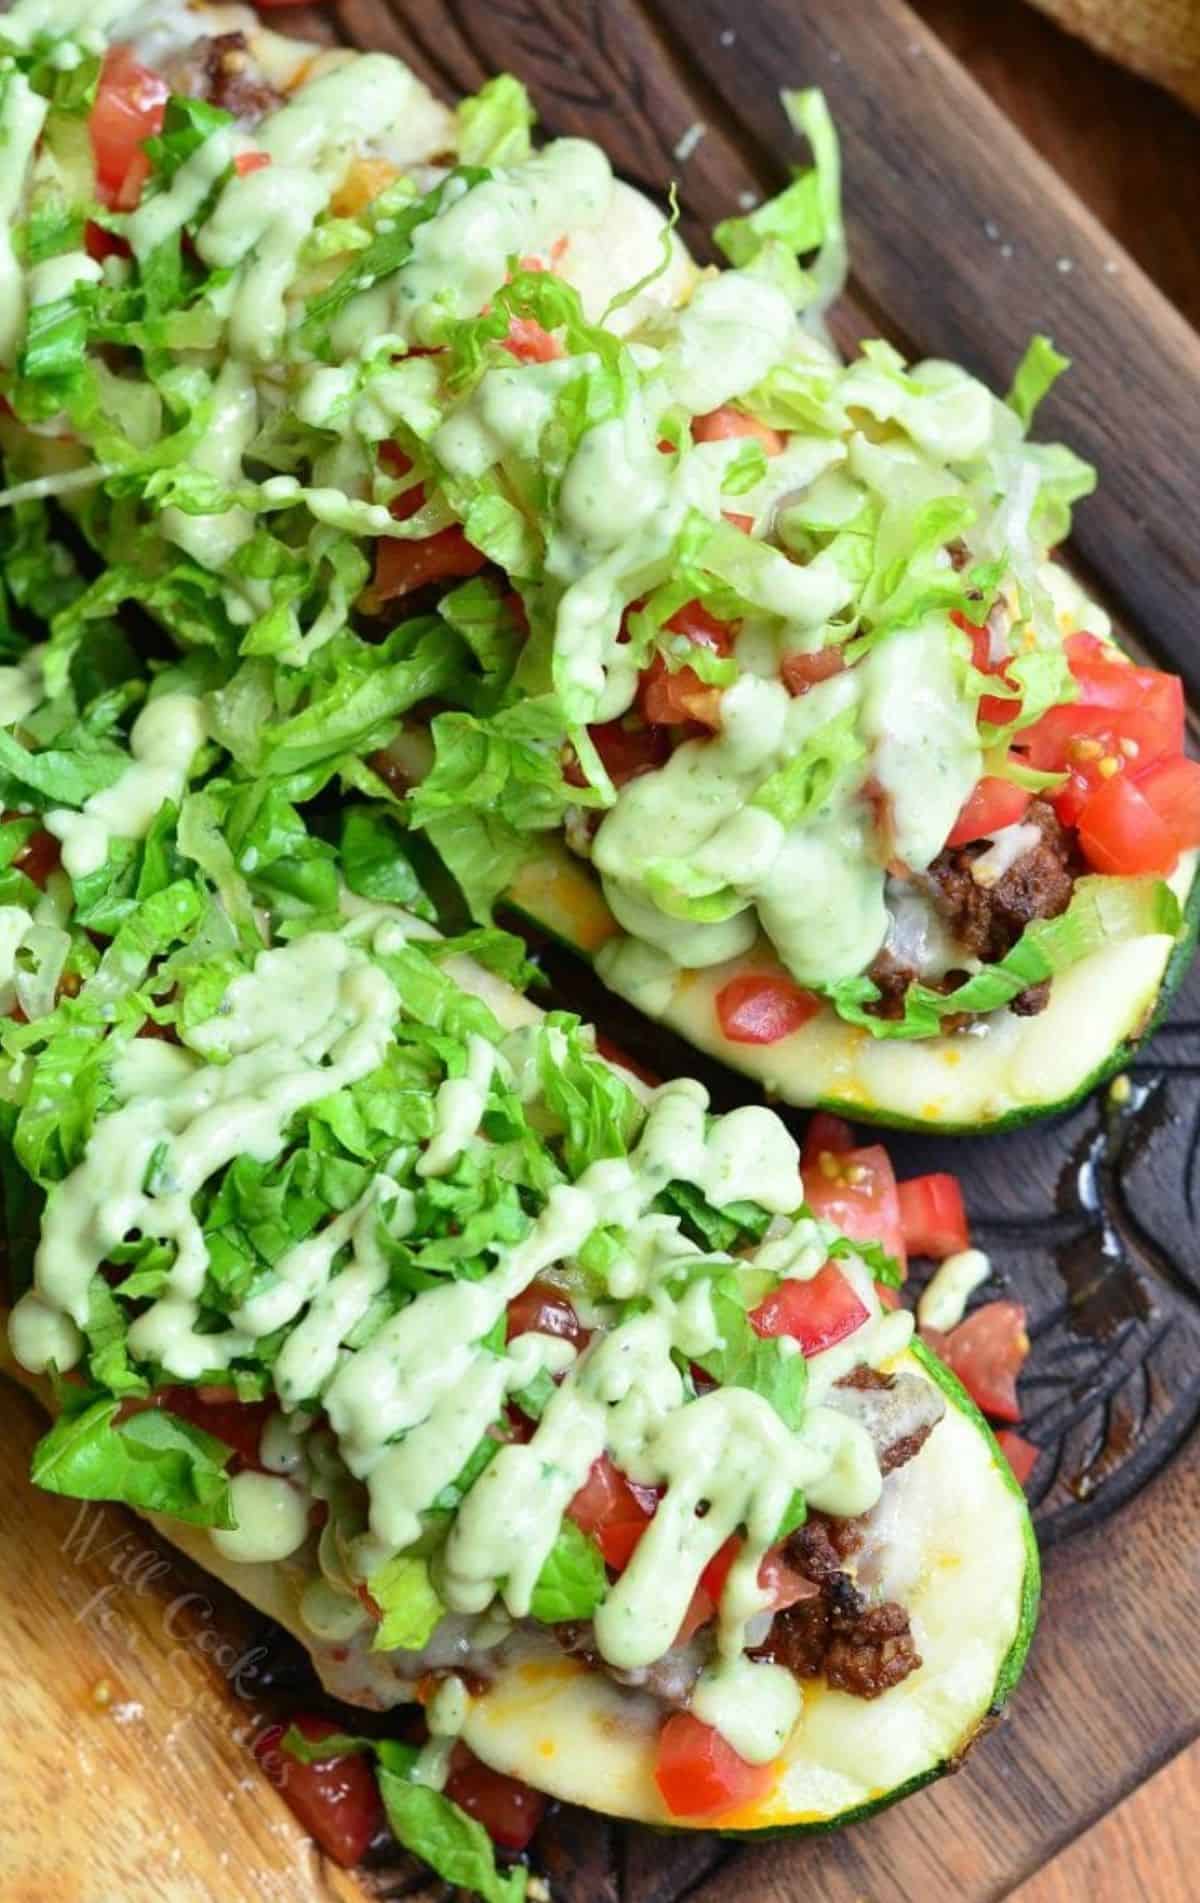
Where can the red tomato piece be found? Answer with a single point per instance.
(993, 803)
(529, 343)
(825, 1134)
(719, 425)
(247, 162)
(613, 1510)
(775, 1575)
(1124, 689)
(509, 1811)
(100, 244)
(696, 624)
(1121, 833)
(129, 107)
(738, 521)
(818, 1314)
(701, 1609)
(216, 1411)
(542, 1309)
(1172, 788)
(626, 750)
(993, 708)
(857, 1192)
(337, 1801)
(1021, 1455)
(987, 1352)
(39, 857)
(799, 672)
(762, 1008)
(402, 566)
(668, 698)
(699, 1774)
(932, 1215)
(712, 1579)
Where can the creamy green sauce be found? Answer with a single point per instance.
(22, 114)
(409, 1407)
(163, 741)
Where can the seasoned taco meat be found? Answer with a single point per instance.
(222, 71)
(988, 919)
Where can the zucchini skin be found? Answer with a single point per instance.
(855, 1111)
(1012, 1665)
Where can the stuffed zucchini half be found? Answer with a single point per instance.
(509, 1386)
(745, 671)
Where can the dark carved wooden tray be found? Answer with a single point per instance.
(964, 242)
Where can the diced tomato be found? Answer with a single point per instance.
(932, 1215)
(247, 162)
(857, 1192)
(100, 244)
(993, 708)
(825, 1135)
(992, 804)
(1121, 833)
(701, 1609)
(613, 1510)
(737, 520)
(1172, 788)
(1122, 688)
(763, 1007)
(402, 566)
(987, 1352)
(1021, 1455)
(802, 671)
(670, 697)
(775, 1575)
(509, 1811)
(612, 1053)
(818, 1314)
(667, 697)
(542, 1309)
(218, 1412)
(129, 107)
(713, 1578)
(39, 857)
(529, 343)
(337, 1800)
(699, 1774)
(627, 750)
(719, 425)
(889, 1297)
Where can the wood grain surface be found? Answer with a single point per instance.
(129, 1701)
(153, 1796)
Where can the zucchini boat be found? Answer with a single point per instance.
(508, 1385)
(748, 671)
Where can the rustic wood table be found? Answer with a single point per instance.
(132, 1687)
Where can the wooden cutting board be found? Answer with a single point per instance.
(132, 1688)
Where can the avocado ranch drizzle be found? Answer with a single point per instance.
(408, 1408)
(614, 508)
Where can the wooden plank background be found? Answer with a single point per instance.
(934, 163)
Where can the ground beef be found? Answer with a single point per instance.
(221, 70)
(892, 979)
(871, 1651)
(987, 920)
(857, 1648)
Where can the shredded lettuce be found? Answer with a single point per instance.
(1101, 911)
(494, 124)
(1038, 370)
